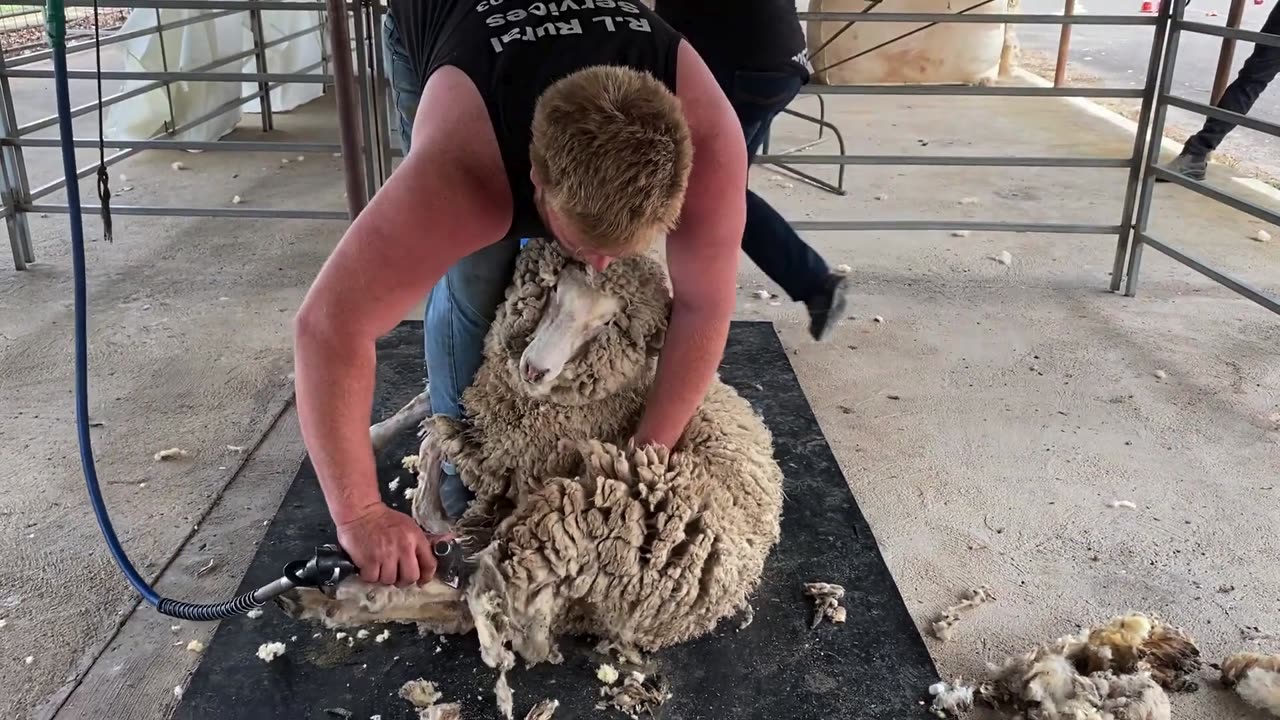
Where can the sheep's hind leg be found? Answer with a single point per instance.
(411, 415)
(428, 509)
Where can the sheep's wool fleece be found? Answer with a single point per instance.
(583, 534)
(1261, 689)
(1117, 671)
(1255, 678)
(951, 698)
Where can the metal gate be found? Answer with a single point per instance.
(1132, 231)
(351, 64)
(1173, 23)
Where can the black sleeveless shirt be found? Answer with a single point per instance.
(514, 49)
(738, 34)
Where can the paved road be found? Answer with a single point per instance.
(1118, 57)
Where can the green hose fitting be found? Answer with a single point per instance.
(55, 23)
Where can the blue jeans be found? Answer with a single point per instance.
(463, 303)
(758, 97)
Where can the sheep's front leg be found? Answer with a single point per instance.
(1009, 52)
(411, 415)
(435, 606)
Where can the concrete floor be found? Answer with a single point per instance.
(1028, 401)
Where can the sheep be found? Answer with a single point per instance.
(879, 53)
(1118, 671)
(574, 529)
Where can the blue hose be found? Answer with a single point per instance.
(56, 22)
(82, 331)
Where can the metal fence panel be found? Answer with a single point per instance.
(1174, 13)
(17, 197)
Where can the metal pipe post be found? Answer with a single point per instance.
(1150, 97)
(381, 94)
(348, 112)
(323, 18)
(164, 60)
(11, 214)
(1227, 54)
(1174, 12)
(1064, 45)
(362, 81)
(260, 59)
(14, 188)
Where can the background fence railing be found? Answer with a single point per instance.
(21, 194)
(354, 69)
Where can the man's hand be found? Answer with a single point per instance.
(388, 547)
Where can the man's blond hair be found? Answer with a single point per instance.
(612, 153)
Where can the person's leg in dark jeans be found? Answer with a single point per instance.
(768, 238)
(1257, 72)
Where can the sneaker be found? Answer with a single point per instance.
(827, 308)
(1188, 165)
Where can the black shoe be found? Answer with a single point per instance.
(1188, 165)
(827, 308)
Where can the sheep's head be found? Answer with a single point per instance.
(575, 315)
(572, 335)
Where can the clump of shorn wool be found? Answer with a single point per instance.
(945, 623)
(1117, 671)
(1255, 678)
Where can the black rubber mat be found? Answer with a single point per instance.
(874, 667)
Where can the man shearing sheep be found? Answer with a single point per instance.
(590, 121)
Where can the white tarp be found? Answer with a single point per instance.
(945, 53)
(194, 46)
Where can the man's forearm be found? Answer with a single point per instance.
(690, 356)
(334, 385)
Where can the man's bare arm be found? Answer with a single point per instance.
(436, 208)
(702, 257)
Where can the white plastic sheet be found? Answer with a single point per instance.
(194, 46)
(945, 53)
